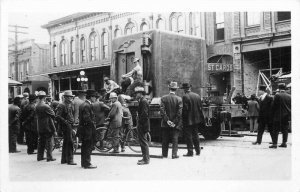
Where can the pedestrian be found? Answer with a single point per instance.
(87, 130)
(65, 117)
(193, 118)
(30, 124)
(14, 113)
(238, 99)
(143, 125)
(253, 111)
(281, 113)
(78, 100)
(24, 102)
(115, 120)
(109, 86)
(264, 115)
(46, 128)
(171, 124)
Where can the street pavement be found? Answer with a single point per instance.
(227, 158)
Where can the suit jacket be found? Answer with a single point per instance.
(87, 127)
(14, 113)
(77, 102)
(45, 116)
(281, 107)
(253, 108)
(65, 115)
(143, 116)
(115, 115)
(192, 109)
(100, 109)
(171, 109)
(265, 108)
(29, 118)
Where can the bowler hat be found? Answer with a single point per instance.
(91, 93)
(136, 59)
(113, 95)
(42, 93)
(139, 90)
(173, 85)
(68, 93)
(281, 86)
(32, 97)
(262, 88)
(186, 86)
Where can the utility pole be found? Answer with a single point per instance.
(16, 52)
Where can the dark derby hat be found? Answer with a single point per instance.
(91, 93)
(263, 87)
(185, 86)
(281, 86)
(32, 97)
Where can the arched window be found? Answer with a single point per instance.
(191, 24)
(197, 24)
(104, 45)
(181, 24)
(72, 52)
(160, 24)
(144, 27)
(130, 28)
(117, 33)
(82, 50)
(174, 24)
(54, 55)
(93, 46)
(63, 53)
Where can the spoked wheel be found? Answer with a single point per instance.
(75, 143)
(58, 143)
(132, 140)
(103, 143)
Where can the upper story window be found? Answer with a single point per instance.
(130, 28)
(72, 52)
(253, 18)
(282, 16)
(63, 52)
(181, 24)
(104, 45)
(220, 26)
(93, 46)
(54, 55)
(177, 23)
(191, 24)
(197, 24)
(82, 50)
(160, 24)
(27, 67)
(144, 27)
(117, 33)
(174, 24)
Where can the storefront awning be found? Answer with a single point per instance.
(13, 82)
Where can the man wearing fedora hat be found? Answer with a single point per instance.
(78, 100)
(264, 115)
(87, 130)
(65, 117)
(171, 124)
(46, 128)
(192, 117)
(281, 112)
(143, 124)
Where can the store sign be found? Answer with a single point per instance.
(220, 67)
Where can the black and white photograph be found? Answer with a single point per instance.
(174, 99)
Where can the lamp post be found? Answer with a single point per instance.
(82, 78)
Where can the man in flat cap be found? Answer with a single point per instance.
(281, 115)
(264, 116)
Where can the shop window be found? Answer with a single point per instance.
(144, 27)
(82, 50)
(220, 26)
(160, 24)
(104, 45)
(282, 16)
(72, 51)
(93, 46)
(54, 55)
(63, 53)
(253, 18)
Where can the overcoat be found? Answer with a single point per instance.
(143, 116)
(45, 116)
(192, 109)
(87, 127)
(115, 115)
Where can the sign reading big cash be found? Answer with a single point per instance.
(221, 67)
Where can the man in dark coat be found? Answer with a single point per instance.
(65, 117)
(46, 128)
(14, 113)
(87, 129)
(143, 124)
(281, 115)
(192, 117)
(24, 102)
(264, 116)
(171, 124)
(30, 124)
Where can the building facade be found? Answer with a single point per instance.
(235, 40)
(32, 60)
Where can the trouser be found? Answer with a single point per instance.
(115, 133)
(253, 124)
(261, 129)
(31, 140)
(20, 138)
(144, 145)
(67, 148)
(86, 150)
(12, 141)
(192, 138)
(281, 125)
(45, 141)
(122, 136)
(167, 133)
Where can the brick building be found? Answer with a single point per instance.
(239, 44)
(33, 60)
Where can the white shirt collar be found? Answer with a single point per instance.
(89, 101)
(171, 92)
